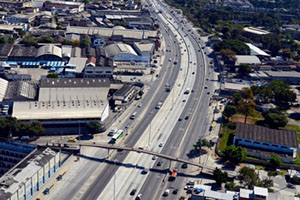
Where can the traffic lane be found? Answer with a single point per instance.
(99, 184)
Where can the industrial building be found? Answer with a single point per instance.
(66, 101)
(30, 174)
(263, 142)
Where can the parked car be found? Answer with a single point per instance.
(133, 192)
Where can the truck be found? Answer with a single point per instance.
(187, 91)
(173, 175)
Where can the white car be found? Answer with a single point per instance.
(161, 144)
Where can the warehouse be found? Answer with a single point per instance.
(66, 101)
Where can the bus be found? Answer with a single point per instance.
(117, 135)
(133, 115)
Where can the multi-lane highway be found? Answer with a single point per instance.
(197, 109)
(161, 125)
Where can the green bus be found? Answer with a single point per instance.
(117, 135)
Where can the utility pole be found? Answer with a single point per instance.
(115, 182)
(149, 140)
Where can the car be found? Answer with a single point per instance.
(186, 117)
(72, 139)
(166, 193)
(161, 144)
(139, 197)
(175, 191)
(160, 163)
(145, 171)
(139, 105)
(180, 119)
(190, 182)
(207, 79)
(193, 72)
(133, 192)
(183, 100)
(208, 93)
(154, 157)
(24, 138)
(112, 132)
(205, 87)
(184, 166)
(187, 187)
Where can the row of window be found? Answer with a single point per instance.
(265, 144)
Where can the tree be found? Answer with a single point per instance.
(248, 177)
(246, 107)
(230, 186)
(3, 40)
(46, 39)
(295, 180)
(9, 126)
(219, 176)
(229, 110)
(228, 55)
(94, 126)
(141, 93)
(275, 161)
(237, 97)
(52, 75)
(84, 42)
(234, 154)
(244, 69)
(29, 40)
(237, 46)
(36, 128)
(75, 43)
(274, 118)
(247, 93)
(201, 143)
(266, 183)
(282, 92)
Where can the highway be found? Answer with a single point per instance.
(75, 186)
(196, 127)
(152, 97)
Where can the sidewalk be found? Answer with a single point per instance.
(53, 182)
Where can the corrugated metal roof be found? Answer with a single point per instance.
(264, 134)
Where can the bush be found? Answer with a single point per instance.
(230, 186)
(234, 154)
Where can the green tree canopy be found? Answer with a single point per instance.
(9, 126)
(219, 176)
(230, 110)
(84, 42)
(248, 177)
(275, 119)
(234, 154)
(94, 126)
(237, 46)
(244, 69)
(275, 161)
(52, 75)
(46, 39)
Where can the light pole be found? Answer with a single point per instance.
(115, 162)
(149, 142)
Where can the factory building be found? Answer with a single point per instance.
(29, 175)
(66, 101)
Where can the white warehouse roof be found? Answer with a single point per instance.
(255, 51)
(114, 49)
(41, 110)
(245, 59)
(3, 88)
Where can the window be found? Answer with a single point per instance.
(274, 145)
(266, 144)
(248, 141)
(284, 147)
(256, 142)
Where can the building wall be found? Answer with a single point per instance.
(38, 180)
(105, 113)
(265, 145)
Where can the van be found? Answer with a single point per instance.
(166, 193)
(133, 115)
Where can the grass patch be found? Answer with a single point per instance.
(297, 160)
(260, 167)
(225, 132)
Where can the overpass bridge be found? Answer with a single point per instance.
(204, 168)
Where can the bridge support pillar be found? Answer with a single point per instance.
(107, 153)
(170, 165)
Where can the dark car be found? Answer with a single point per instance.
(208, 93)
(186, 117)
(175, 191)
(159, 163)
(180, 119)
(184, 165)
(133, 192)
